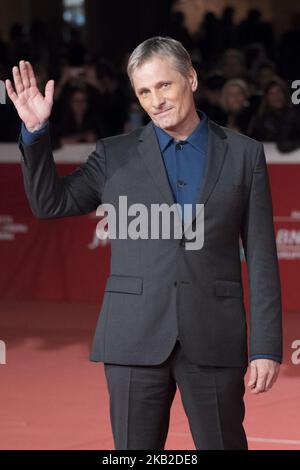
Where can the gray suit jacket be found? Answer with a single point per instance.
(157, 290)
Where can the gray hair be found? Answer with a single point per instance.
(164, 46)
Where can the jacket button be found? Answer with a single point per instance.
(175, 284)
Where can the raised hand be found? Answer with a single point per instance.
(33, 108)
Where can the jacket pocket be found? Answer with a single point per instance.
(127, 284)
(229, 288)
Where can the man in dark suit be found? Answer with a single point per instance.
(171, 316)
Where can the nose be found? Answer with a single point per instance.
(157, 100)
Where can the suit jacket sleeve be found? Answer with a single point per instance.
(51, 196)
(259, 242)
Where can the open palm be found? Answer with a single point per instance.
(33, 108)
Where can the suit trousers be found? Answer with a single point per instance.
(140, 400)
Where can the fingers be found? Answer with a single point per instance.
(261, 380)
(272, 379)
(257, 381)
(260, 384)
(263, 375)
(31, 75)
(10, 91)
(17, 80)
(49, 91)
(24, 74)
(253, 375)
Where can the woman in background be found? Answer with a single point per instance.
(78, 120)
(235, 102)
(275, 107)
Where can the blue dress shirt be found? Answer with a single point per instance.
(185, 163)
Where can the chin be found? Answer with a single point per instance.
(168, 124)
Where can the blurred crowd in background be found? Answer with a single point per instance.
(245, 77)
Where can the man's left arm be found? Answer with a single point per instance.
(257, 233)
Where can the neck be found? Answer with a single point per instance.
(186, 127)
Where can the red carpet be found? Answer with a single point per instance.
(52, 397)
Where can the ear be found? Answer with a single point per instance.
(193, 79)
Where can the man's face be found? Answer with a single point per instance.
(165, 95)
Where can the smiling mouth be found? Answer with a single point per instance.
(163, 112)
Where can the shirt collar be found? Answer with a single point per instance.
(197, 138)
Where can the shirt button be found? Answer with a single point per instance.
(180, 183)
(179, 146)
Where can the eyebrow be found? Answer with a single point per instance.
(157, 85)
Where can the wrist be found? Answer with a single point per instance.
(36, 128)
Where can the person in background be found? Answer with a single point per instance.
(78, 121)
(233, 64)
(136, 116)
(289, 134)
(210, 98)
(259, 79)
(235, 102)
(275, 107)
(266, 72)
(114, 99)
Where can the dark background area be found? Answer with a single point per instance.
(246, 55)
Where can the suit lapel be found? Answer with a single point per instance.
(149, 150)
(216, 151)
(217, 147)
